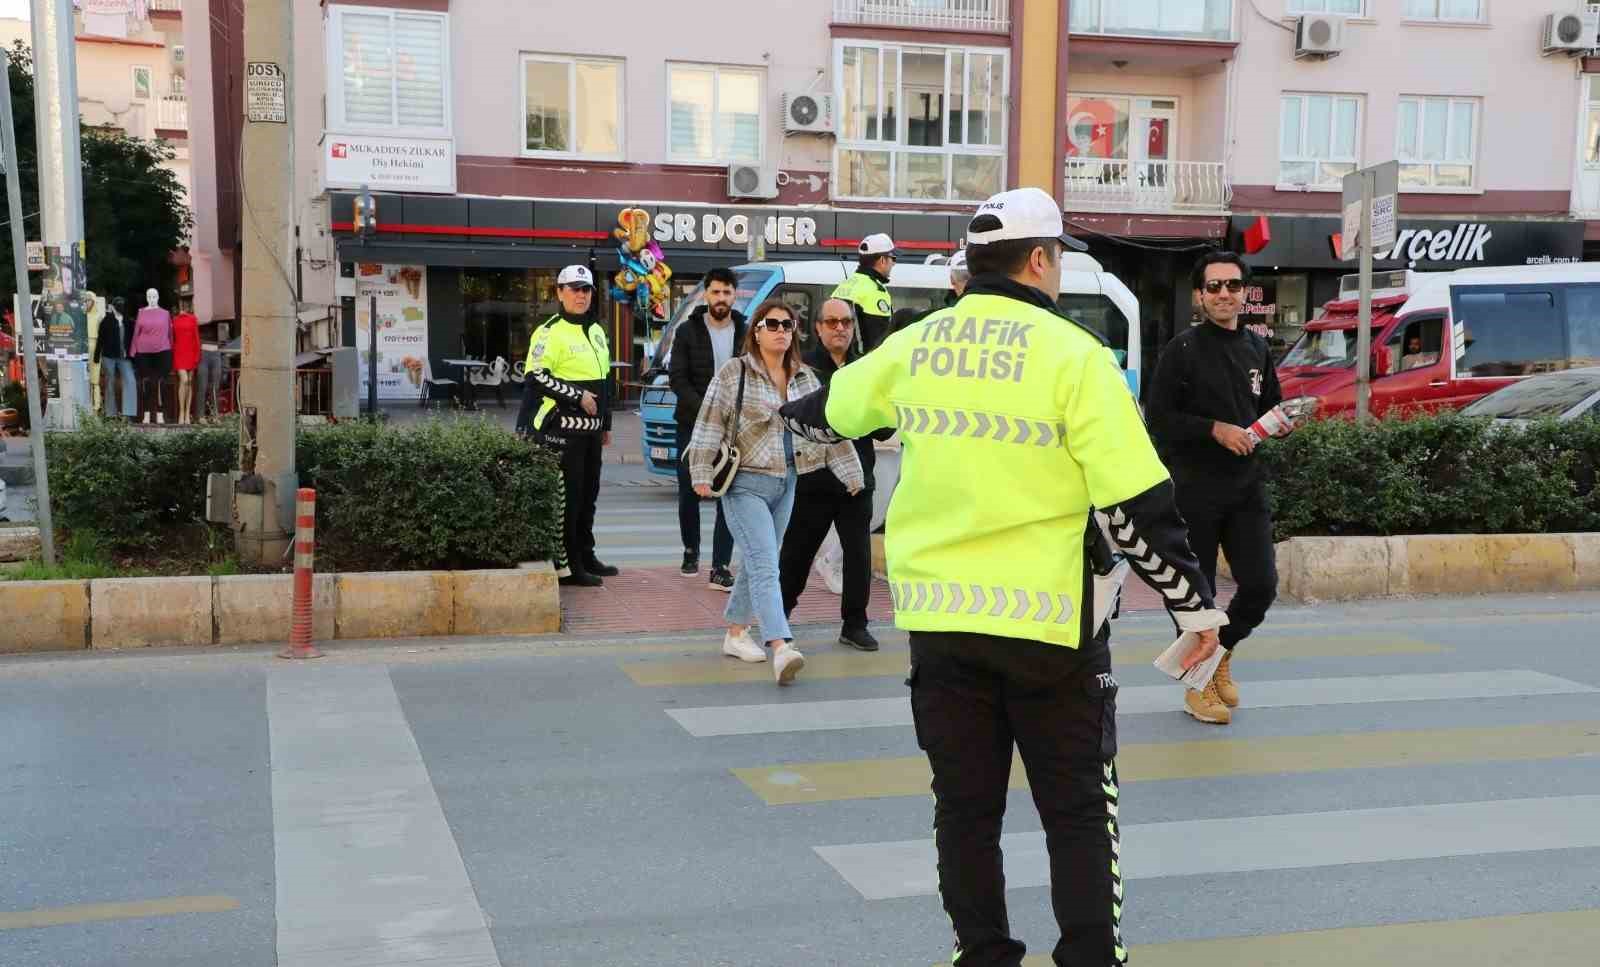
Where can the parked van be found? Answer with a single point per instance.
(1089, 295)
(1441, 340)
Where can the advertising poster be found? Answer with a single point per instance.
(402, 293)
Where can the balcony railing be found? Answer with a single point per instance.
(1174, 19)
(172, 112)
(1156, 187)
(985, 16)
(166, 6)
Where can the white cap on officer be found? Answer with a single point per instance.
(958, 261)
(879, 244)
(1020, 213)
(576, 275)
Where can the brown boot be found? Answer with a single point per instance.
(1207, 705)
(1227, 689)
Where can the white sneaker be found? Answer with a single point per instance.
(786, 664)
(742, 647)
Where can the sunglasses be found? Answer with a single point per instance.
(837, 322)
(774, 324)
(1217, 285)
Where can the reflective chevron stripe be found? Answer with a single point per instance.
(1109, 785)
(1179, 594)
(977, 425)
(1016, 604)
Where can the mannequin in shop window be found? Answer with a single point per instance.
(152, 353)
(113, 351)
(185, 359)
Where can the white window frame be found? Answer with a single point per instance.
(716, 111)
(893, 148)
(334, 95)
(1099, 18)
(1450, 101)
(1361, 118)
(1481, 18)
(1296, 8)
(572, 61)
(133, 83)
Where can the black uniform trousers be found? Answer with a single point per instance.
(689, 510)
(814, 512)
(580, 471)
(1235, 516)
(972, 697)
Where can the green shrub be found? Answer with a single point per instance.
(445, 493)
(134, 487)
(442, 493)
(1435, 475)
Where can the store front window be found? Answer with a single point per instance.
(1275, 309)
(502, 308)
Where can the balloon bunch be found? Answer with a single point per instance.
(644, 275)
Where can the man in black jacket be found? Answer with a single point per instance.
(1210, 385)
(712, 335)
(821, 500)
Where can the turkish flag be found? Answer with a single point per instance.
(1092, 129)
(1156, 150)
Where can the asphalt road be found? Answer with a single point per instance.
(1408, 783)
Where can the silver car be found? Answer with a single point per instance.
(1566, 395)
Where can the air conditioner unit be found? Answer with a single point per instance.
(1573, 33)
(807, 113)
(751, 181)
(1319, 35)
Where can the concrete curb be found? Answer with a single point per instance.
(121, 613)
(1351, 568)
(1347, 568)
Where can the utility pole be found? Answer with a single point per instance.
(55, 95)
(264, 494)
(24, 317)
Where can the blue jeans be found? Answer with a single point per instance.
(757, 508)
(121, 384)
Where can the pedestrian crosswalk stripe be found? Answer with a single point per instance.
(368, 870)
(896, 711)
(807, 782)
(1551, 939)
(714, 669)
(882, 871)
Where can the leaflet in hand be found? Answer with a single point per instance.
(1273, 423)
(1198, 675)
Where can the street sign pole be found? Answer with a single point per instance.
(1371, 213)
(1364, 318)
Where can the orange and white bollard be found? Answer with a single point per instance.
(305, 545)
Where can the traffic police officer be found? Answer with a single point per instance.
(867, 290)
(1017, 425)
(566, 393)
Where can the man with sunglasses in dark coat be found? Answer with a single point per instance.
(1210, 385)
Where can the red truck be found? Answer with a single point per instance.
(1442, 340)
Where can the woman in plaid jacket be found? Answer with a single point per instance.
(758, 502)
